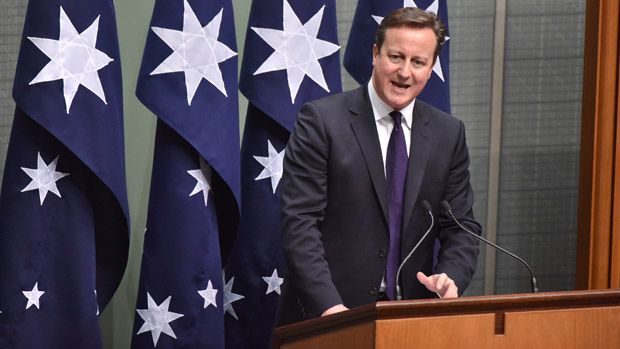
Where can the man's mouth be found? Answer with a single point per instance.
(400, 85)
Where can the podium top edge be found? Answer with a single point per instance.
(450, 307)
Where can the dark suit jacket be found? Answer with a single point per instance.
(334, 205)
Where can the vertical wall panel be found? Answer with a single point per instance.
(599, 212)
(540, 143)
(471, 66)
(12, 14)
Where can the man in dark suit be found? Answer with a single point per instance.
(357, 168)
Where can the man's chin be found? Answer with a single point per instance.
(399, 103)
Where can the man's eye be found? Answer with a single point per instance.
(419, 63)
(394, 58)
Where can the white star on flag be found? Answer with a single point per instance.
(296, 49)
(230, 297)
(33, 296)
(272, 166)
(434, 8)
(203, 180)
(44, 178)
(196, 52)
(73, 58)
(208, 294)
(273, 282)
(157, 318)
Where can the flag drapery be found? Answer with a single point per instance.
(358, 55)
(188, 79)
(290, 58)
(63, 208)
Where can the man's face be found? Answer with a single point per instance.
(404, 64)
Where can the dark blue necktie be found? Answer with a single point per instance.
(395, 175)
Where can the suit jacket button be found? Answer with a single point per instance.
(383, 253)
(373, 290)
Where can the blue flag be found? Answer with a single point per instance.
(358, 55)
(64, 230)
(188, 78)
(290, 58)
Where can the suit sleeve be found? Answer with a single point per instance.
(303, 202)
(459, 251)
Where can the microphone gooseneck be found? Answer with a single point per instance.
(427, 207)
(533, 284)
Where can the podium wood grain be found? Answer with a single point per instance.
(576, 319)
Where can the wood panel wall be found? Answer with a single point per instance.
(598, 237)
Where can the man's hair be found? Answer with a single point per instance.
(412, 17)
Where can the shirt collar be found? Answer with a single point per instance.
(381, 110)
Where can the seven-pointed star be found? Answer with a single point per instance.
(203, 180)
(272, 164)
(296, 49)
(434, 8)
(273, 282)
(157, 318)
(33, 296)
(230, 297)
(196, 52)
(44, 178)
(73, 58)
(208, 294)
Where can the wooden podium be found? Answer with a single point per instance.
(575, 319)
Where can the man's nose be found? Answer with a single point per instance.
(404, 69)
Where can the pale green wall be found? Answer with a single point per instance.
(133, 19)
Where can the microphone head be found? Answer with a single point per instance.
(446, 206)
(426, 205)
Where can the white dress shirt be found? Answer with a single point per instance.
(385, 123)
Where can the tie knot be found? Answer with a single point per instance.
(396, 116)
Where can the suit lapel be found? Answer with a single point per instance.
(365, 130)
(418, 157)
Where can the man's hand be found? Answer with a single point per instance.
(335, 309)
(441, 284)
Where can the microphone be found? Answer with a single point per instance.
(533, 284)
(427, 207)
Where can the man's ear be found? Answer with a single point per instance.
(375, 53)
